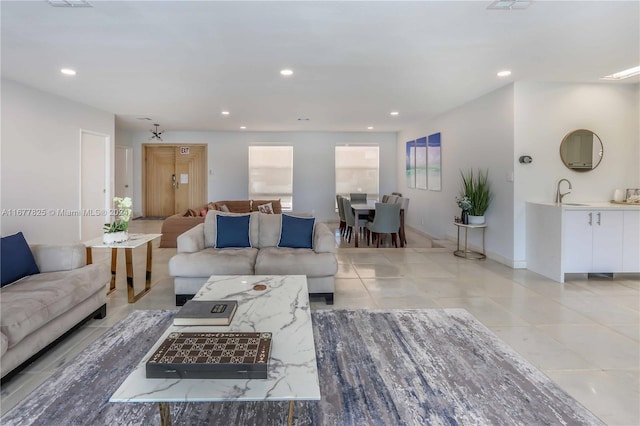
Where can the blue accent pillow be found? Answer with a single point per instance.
(296, 232)
(16, 259)
(232, 231)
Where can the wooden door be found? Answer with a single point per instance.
(175, 178)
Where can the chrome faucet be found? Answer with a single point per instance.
(559, 195)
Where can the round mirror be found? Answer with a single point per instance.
(581, 150)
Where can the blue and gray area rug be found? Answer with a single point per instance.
(409, 367)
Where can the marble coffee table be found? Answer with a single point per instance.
(282, 308)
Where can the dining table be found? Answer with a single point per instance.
(365, 208)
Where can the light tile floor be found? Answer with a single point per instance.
(584, 334)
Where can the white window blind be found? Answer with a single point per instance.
(271, 174)
(358, 170)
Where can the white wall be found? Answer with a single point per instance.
(476, 135)
(313, 163)
(41, 160)
(526, 118)
(544, 114)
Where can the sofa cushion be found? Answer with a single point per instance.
(275, 205)
(51, 258)
(41, 298)
(16, 259)
(234, 206)
(296, 232)
(232, 231)
(212, 261)
(295, 261)
(266, 208)
(210, 229)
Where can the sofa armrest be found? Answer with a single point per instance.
(192, 240)
(323, 239)
(55, 257)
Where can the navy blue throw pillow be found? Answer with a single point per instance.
(297, 232)
(16, 259)
(232, 231)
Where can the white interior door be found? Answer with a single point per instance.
(123, 172)
(94, 184)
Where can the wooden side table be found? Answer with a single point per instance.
(466, 253)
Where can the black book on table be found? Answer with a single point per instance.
(206, 312)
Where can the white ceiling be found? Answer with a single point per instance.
(181, 63)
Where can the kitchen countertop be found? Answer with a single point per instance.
(600, 205)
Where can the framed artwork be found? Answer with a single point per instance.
(421, 163)
(434, 162)
(411, 164)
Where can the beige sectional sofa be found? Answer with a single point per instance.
(175, 225)
(198, 258)
(38, 309)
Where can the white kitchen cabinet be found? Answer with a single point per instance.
(631, 242)
(589, 238)
(593, 241)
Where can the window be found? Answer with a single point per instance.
(271, 174)
(358, 170)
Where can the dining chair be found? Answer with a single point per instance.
(399, 194)
(404, 205)
(385, 198)
(392, 199)
(387, 221)
(343, 223)
(350, 219)
(357, 197)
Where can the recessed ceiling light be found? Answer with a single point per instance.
(225, 113)
(504, 73)
(622, 74)
(370, 128)
(68, 71)
(243, 127)
(286, 72)
(394, 113)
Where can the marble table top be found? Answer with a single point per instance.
(134, 241)
(282, 309)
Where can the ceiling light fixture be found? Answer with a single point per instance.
(243, 127)
(509, 5)
(225, 113)
(155, 134)
(622, 74)
(394, 113)
(370, 128)
(68, 71)
(504, 73)
(286, 72)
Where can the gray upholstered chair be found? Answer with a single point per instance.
(387, 221)
(399, 194)
(392, 199)
(350, 219)
(404, 203)
(357, 197)
(385, 198)
(343, 223)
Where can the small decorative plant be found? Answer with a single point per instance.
(477, 190)
(464, 203)
(122, 215)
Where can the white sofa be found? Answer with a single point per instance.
(37, 310)
(197, 257)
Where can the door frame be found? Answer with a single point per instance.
(145, 146)
(108, 178)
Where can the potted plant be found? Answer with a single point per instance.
(476, 188)
(116, 231)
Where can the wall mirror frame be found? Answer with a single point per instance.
(581, 150)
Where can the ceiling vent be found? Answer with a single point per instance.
(69, 3)
(510, 4)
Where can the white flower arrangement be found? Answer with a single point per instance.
(123, 214)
